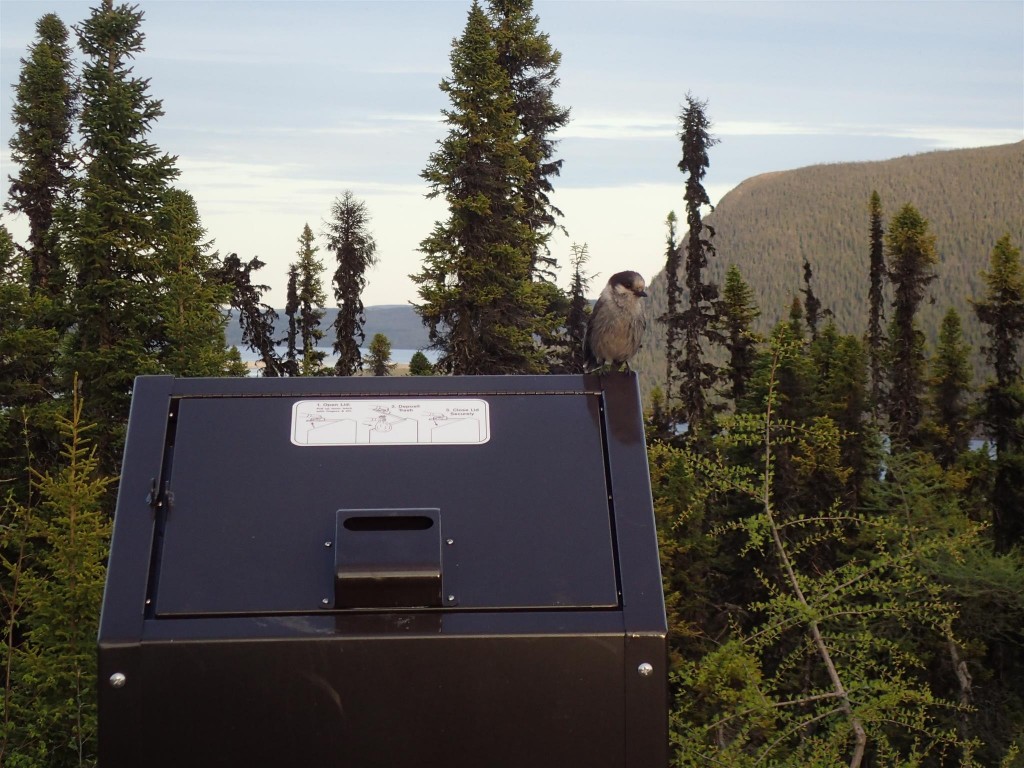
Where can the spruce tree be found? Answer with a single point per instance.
(28, 351)
(736, 314)
(578, 312)
(349, 239)
(912, 258)
(379, 361)
(419, 365)
(1002, 311)
(33, 279)
(841, 394)
(876, 304)
(479, 302)
(673, 254)
(949, 425)
(52, 572)
(291, 312)
(114, 246)
(812, 304)
(311, 298)
(697, 375)
(256, 319)
(191, 297)
(44, 111)
(531, 63)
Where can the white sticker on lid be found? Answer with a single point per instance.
(426, 421)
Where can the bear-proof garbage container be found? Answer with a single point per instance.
(458, 572)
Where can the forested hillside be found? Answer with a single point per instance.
(769, 224)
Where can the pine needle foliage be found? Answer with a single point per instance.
(355, 250)
(1001, 310)
(255, 318)
(876, 300)
(531, 62)
(694, 323)
(45, 107)
(53, 561)
(912, 258)
(379, 359)
(115, 239)
(28, 354)
(479, 301)
(825, 664)
(311, 297)
(191, 338)
(419, 365)
(570, 358)
(949, 424)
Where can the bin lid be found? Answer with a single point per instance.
(256, 487)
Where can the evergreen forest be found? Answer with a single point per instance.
(836, 445)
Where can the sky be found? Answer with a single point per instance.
(274, 109)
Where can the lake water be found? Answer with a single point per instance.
(402, 356)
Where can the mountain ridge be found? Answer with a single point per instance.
(768, 224)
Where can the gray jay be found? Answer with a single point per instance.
(617, 322)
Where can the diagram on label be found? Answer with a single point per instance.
(425, 421)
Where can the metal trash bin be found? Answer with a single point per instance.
(393, 572)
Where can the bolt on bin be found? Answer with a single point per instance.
(395, 572)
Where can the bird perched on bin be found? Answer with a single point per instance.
(617, 323)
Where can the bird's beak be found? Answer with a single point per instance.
(642, 293)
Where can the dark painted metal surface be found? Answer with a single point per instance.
(527, 510)
(387, 558)
(462, 605)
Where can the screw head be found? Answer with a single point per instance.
(328, 543)
(645, 670)
(449, 542)
(451, 598)
(325, 602)
(117, 680)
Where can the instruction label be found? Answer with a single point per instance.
(425, 421)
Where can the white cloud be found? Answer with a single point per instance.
(643, 126)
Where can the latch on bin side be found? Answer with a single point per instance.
(388, 558)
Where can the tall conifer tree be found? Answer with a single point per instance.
(44, 111)
(1002, 311)
(579, 311)
(256, 319)
(190, 296)
(673, 253)
(349, 239)
(114, 247)
(27, 353)
(949, 391)
(480, 304)
(33, 279)
(812, 304)
(876, 304)
(311, 297)
(527, 56)
(697, 375)
(736, 315)
(841, 393)
(912, 259)
(291, 312)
